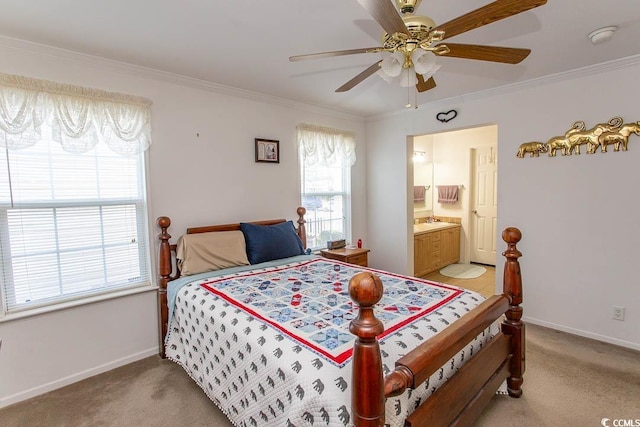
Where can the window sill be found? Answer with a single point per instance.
(76, 303)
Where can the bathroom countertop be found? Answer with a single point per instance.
(427, 227)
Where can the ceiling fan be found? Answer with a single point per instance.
(412, 42)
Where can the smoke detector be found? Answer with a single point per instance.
(602, 35)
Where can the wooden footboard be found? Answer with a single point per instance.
(460, 400)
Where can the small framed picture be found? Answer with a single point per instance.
(267, 150)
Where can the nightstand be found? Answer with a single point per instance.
(358, 256)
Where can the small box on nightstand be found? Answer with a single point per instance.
(336, 244)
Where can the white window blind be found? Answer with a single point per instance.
(72, 210)
(326, 157)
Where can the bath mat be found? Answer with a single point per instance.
(463, 271)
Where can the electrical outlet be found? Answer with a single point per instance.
(617, 312)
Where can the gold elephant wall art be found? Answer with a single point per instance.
(533, 148)
(619, 138)
(615, 132)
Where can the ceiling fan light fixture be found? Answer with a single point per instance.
(424, 62)
(431, 72)
(392, 64)
(385, 77)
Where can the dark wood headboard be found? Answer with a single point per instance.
(166, 254)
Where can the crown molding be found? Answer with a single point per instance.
(155, 74)
(513, 87)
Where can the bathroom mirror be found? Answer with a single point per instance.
(423, 186)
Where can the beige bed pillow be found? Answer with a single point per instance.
(200, 252)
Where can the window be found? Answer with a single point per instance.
(326, 157)
(73, 212)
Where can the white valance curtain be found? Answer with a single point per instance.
(79, 118)
(325, 146)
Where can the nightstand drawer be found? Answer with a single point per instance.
(361, 259)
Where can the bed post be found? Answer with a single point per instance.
(164, 276)
(367, 385)
(512, 325)
(302, 231)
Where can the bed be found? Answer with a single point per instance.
(300, 340)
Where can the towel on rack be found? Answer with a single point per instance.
(418, 193)
(447, 193)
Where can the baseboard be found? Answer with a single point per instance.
(579, 332)
(53, 385)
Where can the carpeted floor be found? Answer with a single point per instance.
(570, 381)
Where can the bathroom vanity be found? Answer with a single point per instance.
(435, 245)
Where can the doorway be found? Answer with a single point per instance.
(466, 158)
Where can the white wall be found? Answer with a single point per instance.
(195, 180)
(577, 213)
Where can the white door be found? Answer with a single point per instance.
(484, 205)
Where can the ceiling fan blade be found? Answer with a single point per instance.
(507, 55)
(385, 14)
(492, 12)
(359, 78)
(423, 85)
(334, 53)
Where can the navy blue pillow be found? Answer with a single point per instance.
(269, 242)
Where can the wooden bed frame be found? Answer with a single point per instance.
(462, 398)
